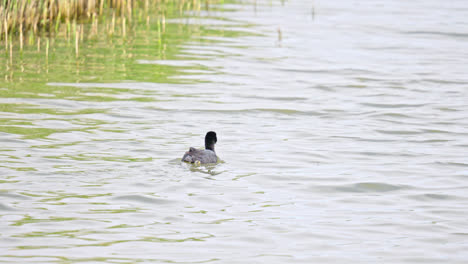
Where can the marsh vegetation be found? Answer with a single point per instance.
(95, 40)
(24, 22)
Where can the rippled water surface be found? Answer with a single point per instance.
(342, 127)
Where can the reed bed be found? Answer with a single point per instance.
(25, 20)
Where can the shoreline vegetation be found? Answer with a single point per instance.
(123, 40)
(25, 22)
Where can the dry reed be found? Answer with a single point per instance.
(20, 19)
(21, 16)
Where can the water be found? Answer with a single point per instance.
(342, 126)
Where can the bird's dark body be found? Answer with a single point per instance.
(203, 156)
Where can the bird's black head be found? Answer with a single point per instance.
(210, 140)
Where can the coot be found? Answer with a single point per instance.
(203, 156)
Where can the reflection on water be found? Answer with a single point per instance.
(342, 140)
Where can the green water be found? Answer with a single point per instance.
(37, 71)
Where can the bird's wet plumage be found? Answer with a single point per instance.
(203, 156)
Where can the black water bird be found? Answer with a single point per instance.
(203, 156)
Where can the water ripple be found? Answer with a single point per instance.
(142, 199)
